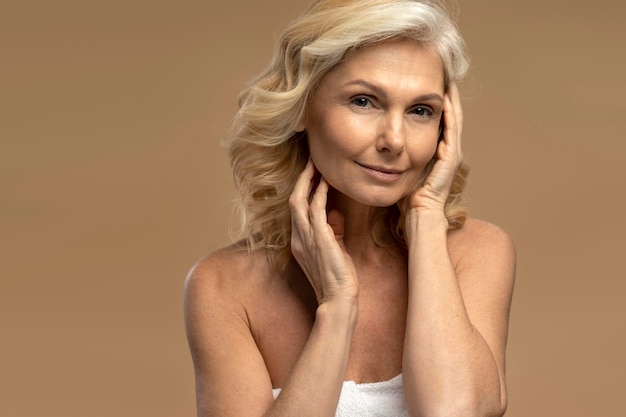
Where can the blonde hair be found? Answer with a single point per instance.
(266, 153)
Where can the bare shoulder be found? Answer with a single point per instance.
(220, 285)
(481, 232)
(213, 287)
(226, 271)
(218, 290)
(481, 241)
(484, 259)
(220, 261)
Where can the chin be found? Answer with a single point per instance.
(379, 201)
(372, 198)
(384, 204)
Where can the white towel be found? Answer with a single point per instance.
(375, 399)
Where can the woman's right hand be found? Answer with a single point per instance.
(317, 241)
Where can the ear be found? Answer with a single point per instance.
(301, 126)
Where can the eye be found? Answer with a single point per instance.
(361, 101)
(423, 111)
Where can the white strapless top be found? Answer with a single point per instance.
(374, 399)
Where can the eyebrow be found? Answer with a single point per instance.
(379, 90)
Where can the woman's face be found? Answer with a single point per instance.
(373, 123)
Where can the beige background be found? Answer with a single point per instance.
(113, 183)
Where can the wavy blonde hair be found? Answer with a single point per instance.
(266, 152)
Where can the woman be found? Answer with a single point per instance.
(360, 288)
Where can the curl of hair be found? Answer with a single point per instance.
(266, 153)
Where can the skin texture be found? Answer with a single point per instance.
(371, 132)
(345, 308)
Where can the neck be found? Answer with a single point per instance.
(359, 223)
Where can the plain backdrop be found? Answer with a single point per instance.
(113, 183)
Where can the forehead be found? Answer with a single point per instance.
(395, 61)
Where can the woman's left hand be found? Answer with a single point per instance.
(434, 191)
(432, 194)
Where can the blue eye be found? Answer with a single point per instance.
(361, 101)
(423, 111)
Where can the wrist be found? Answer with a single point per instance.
(429, 216)
(425, 222)
(338, 312)
(426, 216)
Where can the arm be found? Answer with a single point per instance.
(453, 360)
(231, 376)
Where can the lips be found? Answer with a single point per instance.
(382, 169)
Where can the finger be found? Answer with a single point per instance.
(304, 183)
(326, 233)
(449, 123)
(299, 198)
(452, 137)
(455, 97)
(457, 112)
(317, 208)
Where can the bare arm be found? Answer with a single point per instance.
(457, 319)
(231, 376)
(453, 360)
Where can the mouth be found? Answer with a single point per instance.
(381, 173)
(381, 169)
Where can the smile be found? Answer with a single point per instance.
(382, 173)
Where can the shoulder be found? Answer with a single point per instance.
(478, 236)
(219, 290)
(227, 269)
(475, 229)
(218, 293)
(482, 249)
(224, 277)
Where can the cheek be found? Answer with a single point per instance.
(321, 155)
(319, 149)
(425, 154)
(327, 161)
(330, 140)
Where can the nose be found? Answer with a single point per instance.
(391, 135)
